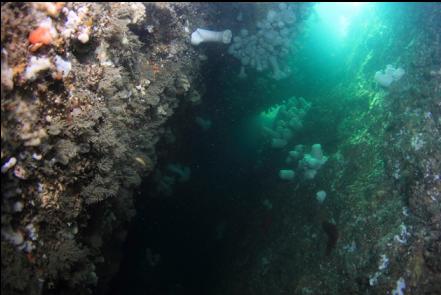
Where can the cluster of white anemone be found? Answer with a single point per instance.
(265, 49)
(288, 121)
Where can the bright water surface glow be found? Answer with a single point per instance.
(337, 16)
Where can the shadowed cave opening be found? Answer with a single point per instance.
(181, 228)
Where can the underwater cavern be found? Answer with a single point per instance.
(220, 148)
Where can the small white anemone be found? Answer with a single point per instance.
(35, 66)
(320, 196)
(201, 35)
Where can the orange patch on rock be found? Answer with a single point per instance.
(17, 70)
(31, 258)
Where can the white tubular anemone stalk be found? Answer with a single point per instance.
(201, 35)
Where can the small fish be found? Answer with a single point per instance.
(140, 161)
(332, 232)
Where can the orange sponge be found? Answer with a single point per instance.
(40, 35)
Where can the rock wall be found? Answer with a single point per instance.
(86, 91)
